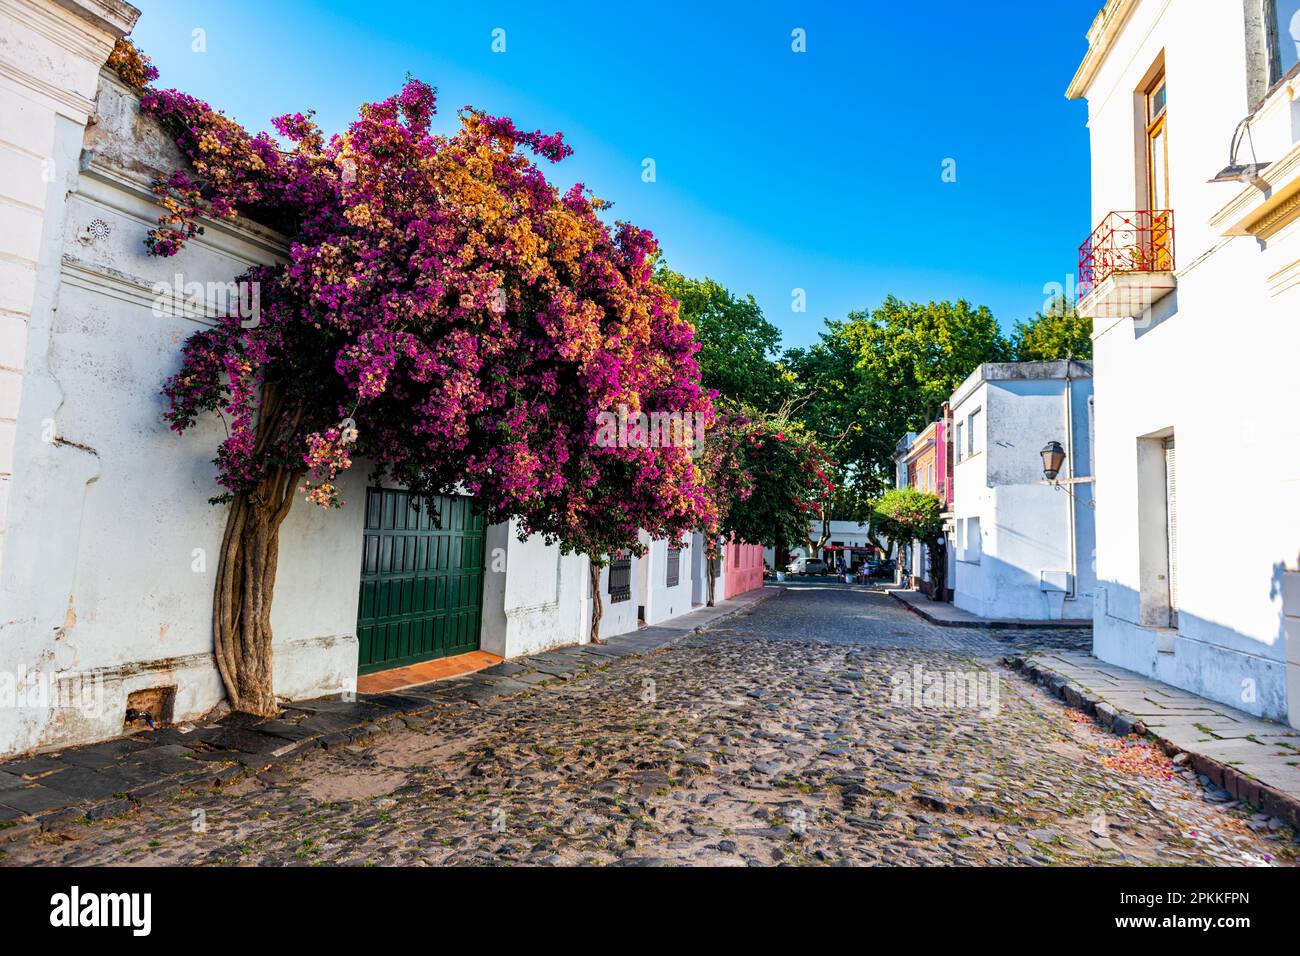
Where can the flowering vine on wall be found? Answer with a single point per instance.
(444, 314)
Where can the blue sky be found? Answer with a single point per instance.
(775, 170)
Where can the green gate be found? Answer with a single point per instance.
(421, 586)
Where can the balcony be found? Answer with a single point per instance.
(1127, 264)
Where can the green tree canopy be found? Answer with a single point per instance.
(739, 347)
(768, 477)
(877, 375)
(784, 476)
(905, 514)
(1058, 333)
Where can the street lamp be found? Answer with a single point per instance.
(1053, 458)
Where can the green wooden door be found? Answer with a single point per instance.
(421, 585)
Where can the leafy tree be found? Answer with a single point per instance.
(769, 475)
(447, 315)
(849, 412)
(921, 353)
(906, 514)
(1058, 333)
(876, 376)
(792, 474)
(738, 345)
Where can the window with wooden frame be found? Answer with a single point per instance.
(1152, 248)
(674, 566)
(1157, 142)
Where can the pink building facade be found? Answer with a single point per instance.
(744, 568)
(944, 458)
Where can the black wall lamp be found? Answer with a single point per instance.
(1053, 461)
(1053, 458)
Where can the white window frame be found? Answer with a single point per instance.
(972, 546)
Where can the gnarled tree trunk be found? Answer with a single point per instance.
(597, 609)
(241, 603)
(711, 569)
(250, 551)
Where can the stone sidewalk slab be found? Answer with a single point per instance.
(1254, 760)
(113, 777)
(943, 614)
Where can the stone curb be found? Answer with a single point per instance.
(1239, 785)
(985, 624)
(332, 726)
(767, 593)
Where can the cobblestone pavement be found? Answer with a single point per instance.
(806, 731)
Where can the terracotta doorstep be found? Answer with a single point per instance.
(425, 672)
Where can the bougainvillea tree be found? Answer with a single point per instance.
(644, 473)
(768, 475)
(446, 315)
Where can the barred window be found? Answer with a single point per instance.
(674, 566)
(620, 578)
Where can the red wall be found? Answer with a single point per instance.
(744, 568)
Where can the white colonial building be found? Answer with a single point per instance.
(108, 548)
(1024, 547)
(847, 541)
(1192, 279)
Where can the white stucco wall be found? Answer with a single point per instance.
(533, 596)
(49, 74)
(699, 569)
(661, 601)
(111, 547)
(1213, 366)
(1291, 608)
(1020, 567)
(615, 618)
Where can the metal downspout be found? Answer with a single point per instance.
(1069, 466)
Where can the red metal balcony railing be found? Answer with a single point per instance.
(1141, 241)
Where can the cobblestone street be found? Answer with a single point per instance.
(806, 731)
